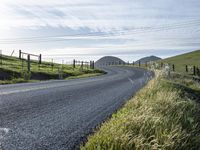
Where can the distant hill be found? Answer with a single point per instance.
(180, 61)
(148, 59)
(108, 60)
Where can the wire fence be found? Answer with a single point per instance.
(187, 69)
(23, 64)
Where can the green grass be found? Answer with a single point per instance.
(14, 70)
(16, 80)
(191, 59)
(163, 115)
(85, 76)
(22, 80)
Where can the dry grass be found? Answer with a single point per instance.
(160, 116)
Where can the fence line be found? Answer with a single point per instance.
(27, 64)
(188, 69)
(24, 64)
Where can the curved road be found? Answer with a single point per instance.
(58, 115)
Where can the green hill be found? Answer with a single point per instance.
(14, 70)
(147, 59)
(180, 61)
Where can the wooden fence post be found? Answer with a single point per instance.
(38, 65)
(28, 63)
(91, 64)
(173, 67)
(194, 70)
(22, 63)
(20, 54)
(186, 68)
(40, 58)
(198, 72)
(74, 63)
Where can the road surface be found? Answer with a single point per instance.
(58, 115)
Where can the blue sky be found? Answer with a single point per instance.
(90, 29)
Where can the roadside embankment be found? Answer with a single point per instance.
(163, 115)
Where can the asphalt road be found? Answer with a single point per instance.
(58, 115)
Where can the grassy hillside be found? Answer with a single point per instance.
(191, 59)
(164, 115)
(13, 70)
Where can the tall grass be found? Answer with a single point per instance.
(160, 116)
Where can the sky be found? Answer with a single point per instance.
(90, 29)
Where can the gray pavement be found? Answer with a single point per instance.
(56, 115)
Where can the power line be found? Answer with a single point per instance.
(194, 22)
(166, 27)
(56, 38)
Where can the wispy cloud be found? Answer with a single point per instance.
(127, 25)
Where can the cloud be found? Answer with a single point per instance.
(104, 15)
(125, 24)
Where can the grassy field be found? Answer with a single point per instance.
(191, 59)
(14, 70)
(163, 115)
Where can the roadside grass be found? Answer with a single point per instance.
(163, 115)
(22, 80)
(14, 70)
(84, 76)
(16, 80)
